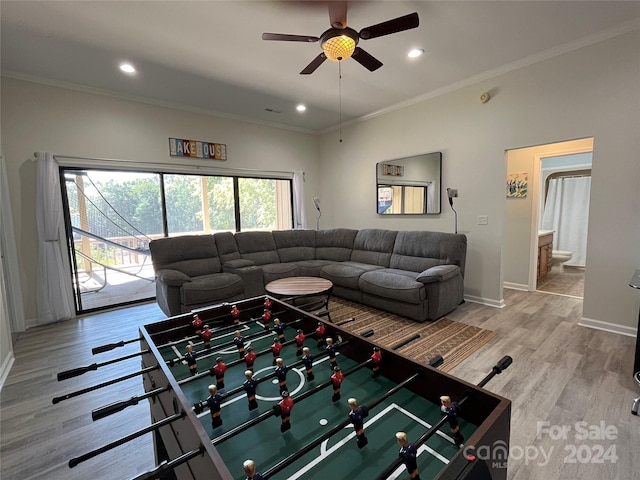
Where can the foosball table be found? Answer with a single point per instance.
(263, 390)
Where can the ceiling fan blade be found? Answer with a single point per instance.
(338, 14)
(391, 26)
(315, 63)
(365, 59)
(289, 38)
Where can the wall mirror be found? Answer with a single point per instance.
(410, 185)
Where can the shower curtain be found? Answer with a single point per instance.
(566, 211)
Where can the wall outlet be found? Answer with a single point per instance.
(483, 220)
(453, 192)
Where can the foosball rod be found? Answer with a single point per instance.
(270, 413)
(104, 384)
(170, 465)
(310, 446)
(76, 372)
(115, 407)
(121, 441)
(497, 369)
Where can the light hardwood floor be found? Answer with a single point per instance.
(562, 374)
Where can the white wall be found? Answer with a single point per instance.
(43, 118)
(590, 92)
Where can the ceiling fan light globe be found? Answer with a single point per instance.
(339, 48)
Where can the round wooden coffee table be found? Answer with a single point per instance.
(292, 289)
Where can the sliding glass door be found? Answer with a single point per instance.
(111, 216)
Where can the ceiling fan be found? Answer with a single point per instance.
(340, 41)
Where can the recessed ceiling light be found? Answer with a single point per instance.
(416, 52)
(127, 68)
(301, 108)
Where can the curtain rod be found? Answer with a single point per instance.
(161, 165)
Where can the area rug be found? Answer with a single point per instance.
(453, 340)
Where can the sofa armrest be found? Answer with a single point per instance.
(232, 265)
(439, 273)
(173, 278)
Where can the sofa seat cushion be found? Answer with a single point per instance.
(211, 288)
(312, 268)
(400, 285)
(275, 271)
(347, 274)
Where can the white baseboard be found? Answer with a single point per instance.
(489, 302)
(516, 286)
(608, 327)
(6, 368)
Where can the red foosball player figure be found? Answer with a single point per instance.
(276, 348)
(307, 361)
(284, 410)
(250, 358)
(219, 368)
(239, 341)
(377, 358)
(452, 410)
(267, 303)
(278, 327)
(250, 385)
(409, 454)
(321, 331)
(331, 348)
(197, 324)
(235, 314)
(336, 379)
(213, 402)
(266, 318)
(281, 374)
(190, 357)
(250, 469)
(357, 416)
(299, 338)
(206, 336)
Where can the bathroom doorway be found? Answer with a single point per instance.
(530, 238)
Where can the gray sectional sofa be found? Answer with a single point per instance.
(415, 274)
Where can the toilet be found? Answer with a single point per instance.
(558, 258)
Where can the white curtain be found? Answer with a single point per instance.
(54, 290)
(10, 270)
(566, 212)
(299, 213)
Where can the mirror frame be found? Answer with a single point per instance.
(400, 177)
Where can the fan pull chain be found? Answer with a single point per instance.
(340, 96)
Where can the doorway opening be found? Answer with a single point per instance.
(546, 231)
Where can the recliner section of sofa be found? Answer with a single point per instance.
(415, 274)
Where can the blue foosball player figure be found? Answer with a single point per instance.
(357, 416)
(250, 470)
(452, 410)
(239, 342)
(331, 349)
(213, 402)
(409, 455)
(278, 328)
(190, 357)
(250, 385)
(307, 361)
(281, 374)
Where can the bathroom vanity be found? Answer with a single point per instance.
(545, 255)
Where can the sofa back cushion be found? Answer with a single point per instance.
(227, 247)
(295, 245)
(259, 247)
(373, 246)
(335, 244)
(418, 251)
(193, 255)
